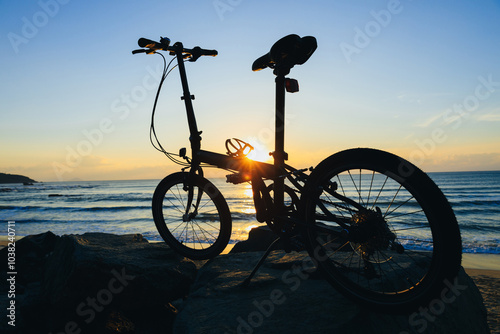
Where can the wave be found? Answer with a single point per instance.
(477, 202)
(243, 216)
(73, 209)
(466, 213)
(482, 247)
(99, 197)
(115, 208)
(123, 198)
(478, 227)
(488, 246)
(54, 187)
(86, 221)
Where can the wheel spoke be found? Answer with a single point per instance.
(400, 205)
(356, 187)
(370, 189)
(411, 228)
(393, 198)
(179, 196)
(380, 191)
(204, 230)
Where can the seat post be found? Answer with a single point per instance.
(279, 146)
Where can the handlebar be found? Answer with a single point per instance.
(164, 45)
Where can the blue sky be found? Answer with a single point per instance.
(417, 78)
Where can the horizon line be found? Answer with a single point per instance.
(222, 177)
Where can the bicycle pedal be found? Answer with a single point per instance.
(238, 178)
(298, 245)
(295, 244)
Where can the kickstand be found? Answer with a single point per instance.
(247, 280)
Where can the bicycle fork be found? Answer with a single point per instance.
(190, 188)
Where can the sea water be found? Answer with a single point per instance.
(124, 207)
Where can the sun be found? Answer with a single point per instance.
(260, 152)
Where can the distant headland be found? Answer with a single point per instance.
(12, 178)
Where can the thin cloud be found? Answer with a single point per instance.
(430, 120)
(489, 118)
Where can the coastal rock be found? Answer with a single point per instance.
(13, 178)
(259, 239)
(99, 283)
(31, 254)
(104, 283)
(284, 298)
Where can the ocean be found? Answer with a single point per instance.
(124, 207)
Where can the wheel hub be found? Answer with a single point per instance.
(369, 232)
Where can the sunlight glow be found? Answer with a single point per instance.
(248, 192)
(260, 151)
(249, 211)
(250, 227)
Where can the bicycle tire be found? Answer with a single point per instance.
(399, 249)
(206, 232)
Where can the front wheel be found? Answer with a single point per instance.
(380, 230)
(191, 216)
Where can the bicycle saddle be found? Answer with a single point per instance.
(289, 51)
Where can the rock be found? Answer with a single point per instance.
(30, 257)
(14, 178)
(31, 254)
(284, 298)
(104, 283)
(98, 283)
(259, 239)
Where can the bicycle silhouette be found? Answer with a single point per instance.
(377, 227)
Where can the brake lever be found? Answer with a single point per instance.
(193, 58)
(139, 51)
(195, 53)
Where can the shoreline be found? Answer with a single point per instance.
(481, 261)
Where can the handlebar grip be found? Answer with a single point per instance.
(212, 53)
(147, 43)
(197, 52)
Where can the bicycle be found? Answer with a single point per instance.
(377, 227)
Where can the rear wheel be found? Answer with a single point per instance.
(196, 226)
(380, 230)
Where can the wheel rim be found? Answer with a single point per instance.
(387, 247)
(200, 228)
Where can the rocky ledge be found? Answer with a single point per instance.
(95, 283)
(14, 178)
(103, 283)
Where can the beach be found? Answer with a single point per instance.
(484, 269)
(488, 282)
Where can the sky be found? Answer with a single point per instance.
(417, 78)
